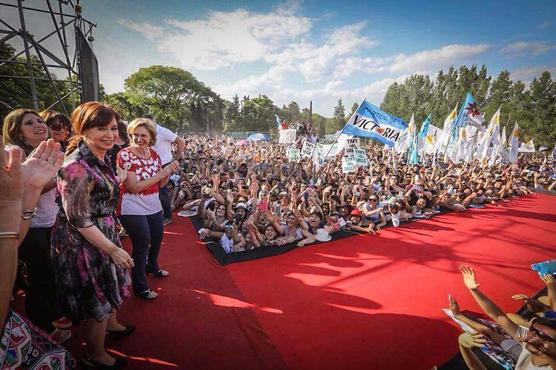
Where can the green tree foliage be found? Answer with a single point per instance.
(339, 115)
(257, 114)
(543, 108)
(292, 112)
(175, 97)
(16, 93)
(127, 110)
(232, 115)
(534, 108)
(353, 109)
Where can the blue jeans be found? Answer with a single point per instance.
(164, 196)
(145, 233)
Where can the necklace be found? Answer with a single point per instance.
(145, 154)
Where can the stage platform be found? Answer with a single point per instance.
(365, 302)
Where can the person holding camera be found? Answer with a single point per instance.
(140, 210)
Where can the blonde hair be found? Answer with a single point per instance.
(143, 122)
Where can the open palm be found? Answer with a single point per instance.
(42, 164)
(468, 277)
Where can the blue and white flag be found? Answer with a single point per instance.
(372, 122)
(278, 121)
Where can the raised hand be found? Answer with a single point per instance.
(11, 179)
(43, 164)
(520, 297)
(469, 340)
(469, 277)
(453, 305)
(548, 279)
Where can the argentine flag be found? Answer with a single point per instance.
(371, 122)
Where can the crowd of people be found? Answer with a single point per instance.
(90, 178)
(252, 196)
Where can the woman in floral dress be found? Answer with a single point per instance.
(90, 264)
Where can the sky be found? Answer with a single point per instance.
(319, 50)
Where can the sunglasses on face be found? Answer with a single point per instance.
(58, 126)
(539, 334)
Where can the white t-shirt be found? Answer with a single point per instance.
(163, 146)
(525, 360)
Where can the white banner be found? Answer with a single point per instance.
(287, 136)
(293, 154)
(348, 164)
(308, 149)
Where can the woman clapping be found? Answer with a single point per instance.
(141, 214)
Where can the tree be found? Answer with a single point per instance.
(16, 92)
(499, 97)
(339, 115)
(543, 108)
(258, 113)
(353, 109)
(127, 110)
(292, 112)
(174, 96)
(232, 115)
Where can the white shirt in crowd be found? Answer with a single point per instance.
(163, 146)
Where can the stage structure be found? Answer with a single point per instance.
(53, 43)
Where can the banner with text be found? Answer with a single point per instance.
(371, 122)
(287, 136)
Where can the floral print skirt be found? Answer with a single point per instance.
(90, 285)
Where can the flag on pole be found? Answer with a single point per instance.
(371, 122)
(447, 129)
(425, 126)
(403, 143)
(514, 144)
(414, 149)
(491, 134)
(528, 147)
(432, 139)
(468, 113)
(504, 146)
(278, 121)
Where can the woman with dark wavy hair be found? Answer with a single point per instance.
(59, 126)
(90, 264)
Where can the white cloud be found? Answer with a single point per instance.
(315, 61)
(523, 48)
(435, 58)
(225, 38)
(147, 30)
(421, 61)
(526, 74)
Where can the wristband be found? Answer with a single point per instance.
(9, 235)
(28, 214)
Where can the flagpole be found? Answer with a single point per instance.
(342, 131)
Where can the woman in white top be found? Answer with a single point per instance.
(140, 210)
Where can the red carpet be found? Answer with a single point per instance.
(357, 303)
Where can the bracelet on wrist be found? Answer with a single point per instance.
(9, 235)
(28, 214)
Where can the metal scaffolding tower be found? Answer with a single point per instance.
(54, 50)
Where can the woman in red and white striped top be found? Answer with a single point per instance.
(140, 211)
